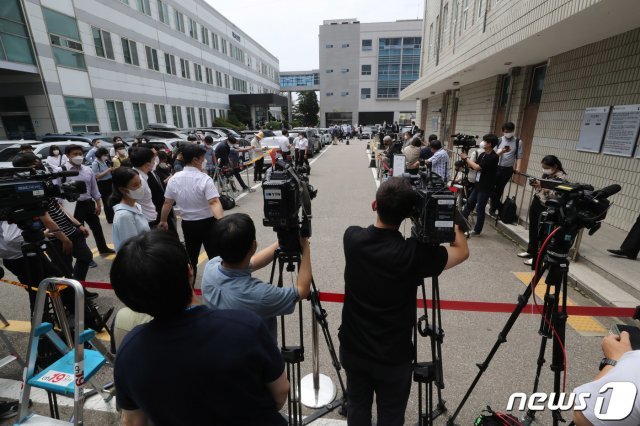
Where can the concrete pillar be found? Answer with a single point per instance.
(252, 108)
(290, 106)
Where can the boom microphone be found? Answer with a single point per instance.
(607, 191)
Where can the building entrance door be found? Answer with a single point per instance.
(18, 127)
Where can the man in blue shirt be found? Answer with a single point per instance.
(220, 362)
(227, 282)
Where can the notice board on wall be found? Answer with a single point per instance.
(594, 124)
(622, 131)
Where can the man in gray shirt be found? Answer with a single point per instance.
(510, 151)
(227, 282)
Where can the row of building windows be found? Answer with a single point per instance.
(177, 20)
(83, 117)
(14, 37)
(68, 52)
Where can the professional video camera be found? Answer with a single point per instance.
(434, 213)
(286, 190)
(25, 191)
(464, 142)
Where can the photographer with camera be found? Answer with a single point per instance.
(227, 282)
(510, 152)
(621, 364)
(486, 168)
(382, 274)
(551, 169)
(224, 367)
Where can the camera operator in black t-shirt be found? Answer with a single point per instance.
(383, 271)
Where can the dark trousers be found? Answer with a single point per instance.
(86, 212)
(301, 158)
(81, 253)
(196, 234)
(631, 244)
(258, 166)
(534, 224)
(503, 175)
(236, 173)
(390, 383)
(477, 200)
(106, 188)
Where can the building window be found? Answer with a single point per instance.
(130, 51)
(197, 70)
(152, 58)
(65, 39)
(345, 45)
(537, 84)
(218, 79)
(102, 41)
(179, 21)
(185, 72)
(344, 70)
(429, 50)
(328, 71)
(365, 70)
(445, 23)
(143, 6)
(227, 85)
(205, 35)
(454, 21)
(367, 45)
(203, 117)
(140, 115)
(329, 46)
(82, 114)
(161, 114)
(176, 111)
(365, 93)
(214, 39)
(224, 45)
(480, 5)
(504, 90)
(191, 117)
(193, 29)
(344, 93)
(465, 14)
(329, 94)
(170, 63)
(14, 39)
(398, 65)
(116, 116)
(163, 12)
(209, 73)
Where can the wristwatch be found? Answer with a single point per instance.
(606, 361)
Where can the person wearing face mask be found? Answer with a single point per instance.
(551, 169)
(120, 155)
(56, 158)
(198, 199)
(91, 155)
(128, 220)
(89, 204)
(234, 162)
(209, 155)
(116, 140)
(485, 167)
(510, 152)
(142, 160)
(102, 168)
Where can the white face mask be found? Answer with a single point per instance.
(77, 160)
(136, 194)
(509, 135)
(547, 171)
(483, 145)
(56, 153)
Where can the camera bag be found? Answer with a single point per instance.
(227, 202)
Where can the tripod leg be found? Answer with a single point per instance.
(558, 358)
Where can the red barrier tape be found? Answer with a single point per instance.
(461, 305)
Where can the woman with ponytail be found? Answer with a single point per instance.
(128, 220)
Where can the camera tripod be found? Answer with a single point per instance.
(426, 374)
(294, 355)
(555, 261)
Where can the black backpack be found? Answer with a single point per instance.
(508, 212)
(227, 202)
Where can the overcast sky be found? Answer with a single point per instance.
(289, 28)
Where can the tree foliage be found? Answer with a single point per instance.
(306, 109)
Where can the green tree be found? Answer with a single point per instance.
(306, 109)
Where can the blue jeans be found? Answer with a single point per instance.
(479, 201)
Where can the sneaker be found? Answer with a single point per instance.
(247, 189)
(528, 262)
(525, 255)
(107, 251)
(622, 254)
(9, 408)
(93, 264)
(470, 233)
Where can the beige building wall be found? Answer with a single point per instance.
(476, 107)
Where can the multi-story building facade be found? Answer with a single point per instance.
(541, 64)
(363, 68)
(113, 66)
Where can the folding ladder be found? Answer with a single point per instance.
(68, 375)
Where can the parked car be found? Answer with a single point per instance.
(163, 131)
(40, 149)
(228, 132)
(248, 134)
(271, 140)
(367, 133)
(312, 135)
(7, 144)
(107, 141)
(325, 136)
(166, 145)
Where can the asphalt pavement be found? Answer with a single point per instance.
(346, 187)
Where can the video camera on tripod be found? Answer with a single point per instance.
(433, 216)
(286, 190)
(465, 142)
(25, 191)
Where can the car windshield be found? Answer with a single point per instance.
(6, 155)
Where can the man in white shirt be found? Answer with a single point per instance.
(142, 160)
(284, 146)
(198, 199)
(302, 149)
